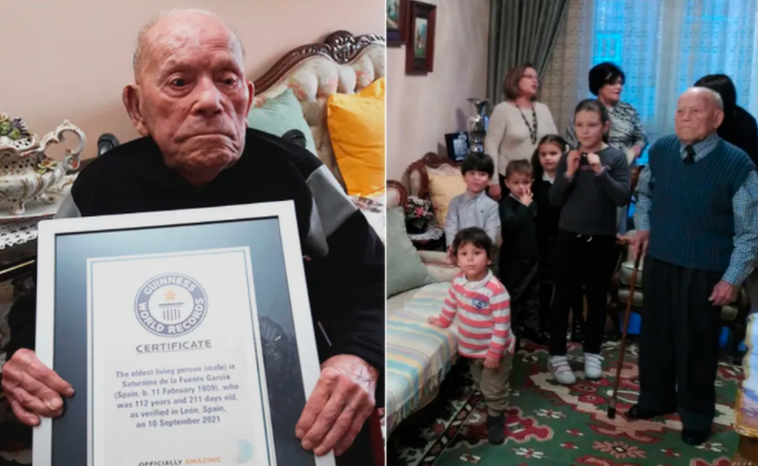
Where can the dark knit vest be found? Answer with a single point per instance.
(691, 214)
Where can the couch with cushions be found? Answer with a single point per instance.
(333, 93)
(418, 354)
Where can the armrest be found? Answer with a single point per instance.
(438, 265)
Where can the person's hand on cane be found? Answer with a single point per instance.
(639, 242)
(339, 405)
(33, 389)
(723, 294)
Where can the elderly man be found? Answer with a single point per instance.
(696, 220)
(189, 101)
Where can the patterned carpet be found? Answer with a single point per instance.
(550, 424)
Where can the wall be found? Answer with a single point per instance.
(421, 109)
(72, 59)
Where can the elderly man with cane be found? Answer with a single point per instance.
(697, 221)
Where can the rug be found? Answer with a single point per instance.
(552, 424)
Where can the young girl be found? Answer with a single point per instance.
(545, 162)
(590, 184)
(484, 324)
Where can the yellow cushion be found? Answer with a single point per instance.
(442, 189)
(356, 128)
(375, 89)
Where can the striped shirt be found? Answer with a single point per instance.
(744, 205)
(484, 316)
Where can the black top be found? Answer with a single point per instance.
(519, 229)
(344, 257)
(589, 202)
(740, 128)
(548, 215)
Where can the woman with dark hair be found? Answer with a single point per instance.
(626, 134)
(517, 124)
(739, 127)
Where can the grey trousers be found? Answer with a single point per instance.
(492, 382)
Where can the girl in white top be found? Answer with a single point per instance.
(517, 124)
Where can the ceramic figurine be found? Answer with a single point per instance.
(26, 173)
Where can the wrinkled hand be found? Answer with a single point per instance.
(496, 192)
(33, 389)
(572, 162)
(640, 242)
(526, 196)
(594, 160)
(723, 294)
(491, 362)
(622, 240)
(435, 321)
(339, 405)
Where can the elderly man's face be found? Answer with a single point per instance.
(697, 116)
(192, 97)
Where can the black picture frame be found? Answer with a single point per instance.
(457, 152)
(419, 50)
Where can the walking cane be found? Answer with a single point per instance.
(632, 284)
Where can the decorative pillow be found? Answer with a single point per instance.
(280, 114)
(405, 270)
(356, 128)
(442, 189)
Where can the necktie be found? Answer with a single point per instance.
(689, 159)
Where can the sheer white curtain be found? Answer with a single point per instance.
(663, 46)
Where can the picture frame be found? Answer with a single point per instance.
(396, 12)
(419, 51)
(265, 241)
(457, 145)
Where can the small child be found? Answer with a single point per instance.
(545, 163)
(473, 208)
(519, 254)
(484, 327)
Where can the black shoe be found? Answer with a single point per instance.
(577, 332)
(496, 429)
(636, 413)
(539, 338)
(695, 437)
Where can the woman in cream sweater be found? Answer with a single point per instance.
(517, 124)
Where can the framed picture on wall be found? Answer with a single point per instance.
(419, 53)
(397, 22)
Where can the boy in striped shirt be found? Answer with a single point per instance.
(484, 324)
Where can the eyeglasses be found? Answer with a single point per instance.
(533, 77)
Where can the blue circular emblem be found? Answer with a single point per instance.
(171, 305)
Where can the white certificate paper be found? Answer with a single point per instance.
(176, 370)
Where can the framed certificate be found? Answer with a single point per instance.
(187, 336)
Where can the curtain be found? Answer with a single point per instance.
(663, 46)
(520, 31)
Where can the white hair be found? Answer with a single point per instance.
(139, 49)
(713, 95)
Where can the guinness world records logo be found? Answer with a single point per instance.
(171, 305)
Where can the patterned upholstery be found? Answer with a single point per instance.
(314, 79)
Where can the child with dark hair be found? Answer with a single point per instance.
(519, 253)
(481, 303)
(545, 163)
(590, 184)
(473, 208)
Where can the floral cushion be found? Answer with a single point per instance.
(315, 79)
